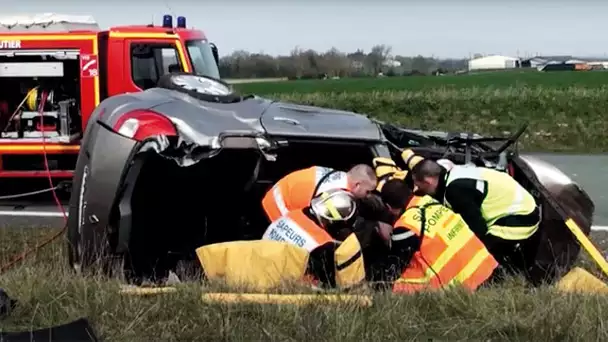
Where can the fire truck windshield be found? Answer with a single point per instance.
(202, 58)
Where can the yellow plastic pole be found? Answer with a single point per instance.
(588, 245)
(297, 299)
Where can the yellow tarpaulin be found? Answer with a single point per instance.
(579, 280)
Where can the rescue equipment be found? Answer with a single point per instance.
(259, 264)
(296, 299)
(59, 114)
(262, 265)
(580, 280)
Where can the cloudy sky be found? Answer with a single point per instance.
(431, 27)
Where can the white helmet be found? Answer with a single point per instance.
(334, 205)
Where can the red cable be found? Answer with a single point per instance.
(46, 160)
(5, 267)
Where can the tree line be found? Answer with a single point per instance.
(308, 63)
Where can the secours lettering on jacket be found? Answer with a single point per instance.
(297, 229)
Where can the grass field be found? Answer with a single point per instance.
(49, 294)
(566, 111)
(554, 80)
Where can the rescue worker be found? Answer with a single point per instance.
(387, 169)
(295, 190)
(433, 247)
(502, 213)
(319, 228)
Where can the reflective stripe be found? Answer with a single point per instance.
(278, 199)
(512, 233)
(481, 186)
(337, 180)
(468, 271)
(518, 201)
(402, 236)
(297, 229)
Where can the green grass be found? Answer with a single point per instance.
(566, 111)
(49, 295)
(561, 120)
(554, 80)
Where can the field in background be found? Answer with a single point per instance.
(565, 110)
(254, 80)
(561, 79)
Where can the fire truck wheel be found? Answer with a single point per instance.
(201, 87)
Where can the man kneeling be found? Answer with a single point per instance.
(324, 229)
(434, 246)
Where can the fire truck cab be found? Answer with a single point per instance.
(55, 69)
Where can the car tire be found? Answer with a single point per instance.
(203, 88)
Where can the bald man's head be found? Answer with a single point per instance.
(362, 180)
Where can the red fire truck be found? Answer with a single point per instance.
(75, 65)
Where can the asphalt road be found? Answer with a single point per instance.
(590, 171)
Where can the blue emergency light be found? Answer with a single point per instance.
(167, 21)
(181, 21)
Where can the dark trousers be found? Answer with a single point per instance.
(514, 256)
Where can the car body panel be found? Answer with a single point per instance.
(106, 170)
(298, 120)
(572, 198)
(103, 158)
(201, 122)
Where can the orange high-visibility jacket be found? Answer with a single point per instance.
(450, 253)
(296, 228)
(335, 263)
(295, 190)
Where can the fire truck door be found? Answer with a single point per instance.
(149, 60)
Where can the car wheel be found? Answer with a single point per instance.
(200, 87)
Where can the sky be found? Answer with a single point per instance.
(445, 29)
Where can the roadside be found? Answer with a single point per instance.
(50, 295)
(589, 171)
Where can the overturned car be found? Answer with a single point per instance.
(165, 171)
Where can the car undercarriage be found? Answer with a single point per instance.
(178, 209)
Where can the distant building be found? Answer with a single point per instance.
(564, 62)
(391, 63)
(357, 64)
(494, 62)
